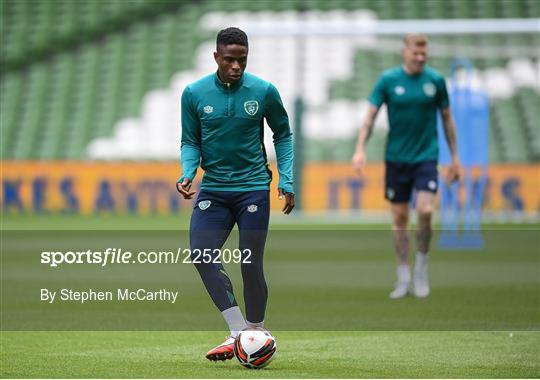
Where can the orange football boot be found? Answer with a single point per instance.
(224, 351)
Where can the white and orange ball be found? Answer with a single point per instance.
(255, 349)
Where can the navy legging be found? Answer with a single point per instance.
(213, 218)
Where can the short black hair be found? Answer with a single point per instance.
(232, 36)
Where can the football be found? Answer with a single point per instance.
(255, 349)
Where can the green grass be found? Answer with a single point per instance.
(300, 355)
(328, 306)
(180, 221)
(102, 222)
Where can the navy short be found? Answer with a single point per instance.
(220, 210)
(214, 215)
(401, 178)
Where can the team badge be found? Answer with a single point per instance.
(251, 107)
(252, 208)
(390, 193)
(432, 185)
(208, 109)
(203, 205)
(399, 90)
(429, 89)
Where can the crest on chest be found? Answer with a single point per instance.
(251, 107)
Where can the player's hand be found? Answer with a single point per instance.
(184, 188)
(454, 173)
(289, 201)
(359, 162)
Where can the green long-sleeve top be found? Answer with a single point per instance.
(222, 131)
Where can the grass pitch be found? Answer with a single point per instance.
(495, 290)
(300, 355)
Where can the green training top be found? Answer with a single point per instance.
(222, 131)
(412, 102)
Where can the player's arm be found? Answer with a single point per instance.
(359, 157)
(376, 99)
(190, 146)
(278, 121)
(449, 128)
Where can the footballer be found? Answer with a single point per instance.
(222, 132)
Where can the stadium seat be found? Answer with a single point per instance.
(77, 69)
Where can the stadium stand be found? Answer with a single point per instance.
(75, 72)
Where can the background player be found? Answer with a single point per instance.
(222, 131)
(413, 93)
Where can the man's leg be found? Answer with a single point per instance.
(252, 213)
(398, 189)
(425, 201)
(425, 184)
(400, 222)
(211, 224)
